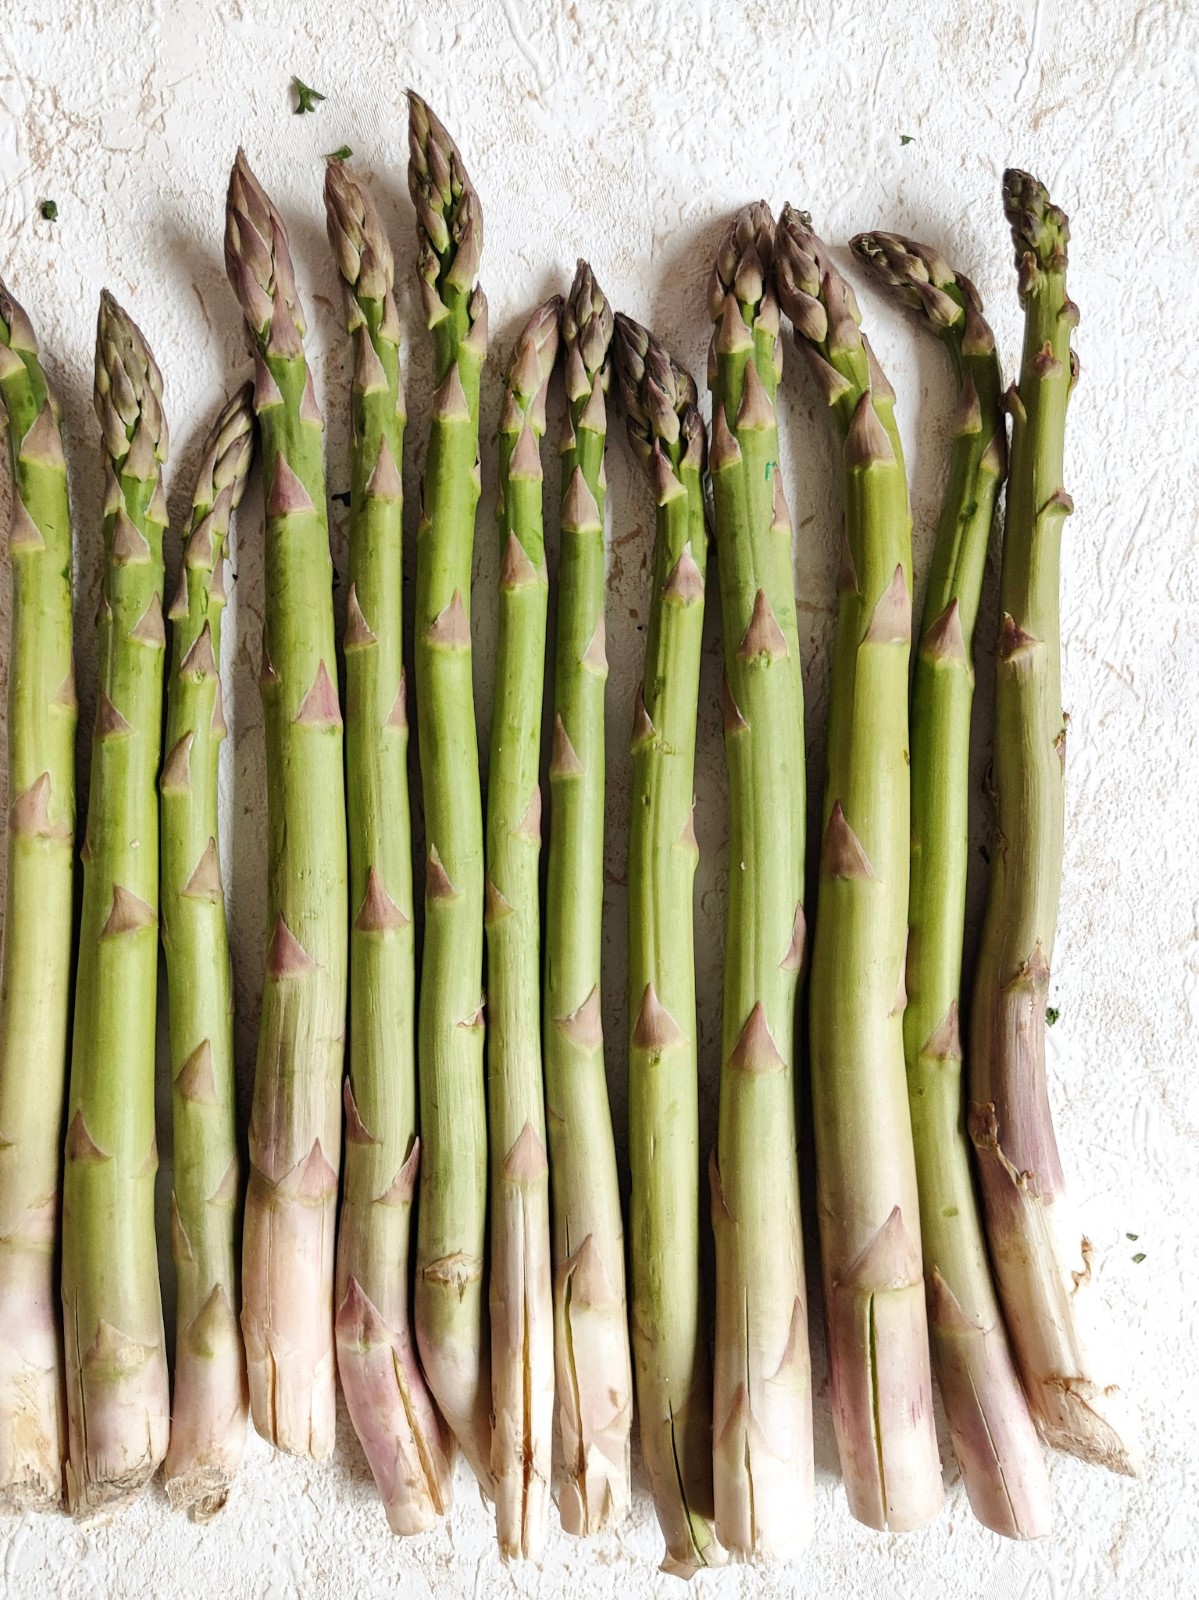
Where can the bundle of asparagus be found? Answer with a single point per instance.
(993, 1435)
(1042, 1261)
(521, 1293)
(879, 1373)
(451, 1316)
(35, 992)
(117, 1402)
(762, 1401)
(208, 1412)
(591, 1339)
(670, 1346)
(295, 1126)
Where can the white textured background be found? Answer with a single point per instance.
(630, 134)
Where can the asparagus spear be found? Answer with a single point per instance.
(35, 994)
(117, 1403)
(407, 1444)
(591, 1340)
(521, 1297)
(762, 1402)
(993, 1435)
(208, 1412)
(295, 1123)
(1042, 1261)
(865, 1167)
(670, 1345)
(451, 1316)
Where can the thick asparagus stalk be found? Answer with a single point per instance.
(865, 1167)
(591, 1339)
(295, 1123)
(117, 1402)
(451, 1316)
(1042, 1260)
(521, 1297)
(762, 1400)
(35, 995)
(993, 1435)
(208, 1411)
(407, 1444)
(670, 1341)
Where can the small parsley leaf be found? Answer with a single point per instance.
(1051, 1015)
(306, 98)
(907, 138)
(1133, 1236)
(49, 210)
(1139, 1257)
(342, 153)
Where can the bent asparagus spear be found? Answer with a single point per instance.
(295, 1122)
(118, 1409)
(521, 1293)
(670, 1343)
(591, 1338)
(1042, 1261)
(451, 1316)
(762, 1401)
(35, 995)
(408, 1446)
(879, 1373)
(209, 1405)
(993, 1434)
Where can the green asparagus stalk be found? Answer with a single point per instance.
(993, 1434)
(208, 1411)
(118, 1409)
(521, 1296)
(295, 1122)
(450, 1312)
(591, 1339)
(1042, 1261)
(762, 1399)
(35, 993)
(879, 1373)
(407, 1444)
(670, 1344)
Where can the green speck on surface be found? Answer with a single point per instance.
(1139, 1257)
(1133, 1236)
(770, 466)
(49, 210)
(306, 98)
(1051, 1015)
(907, 138)
(342, 153)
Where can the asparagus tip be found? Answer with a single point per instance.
(1040, 229)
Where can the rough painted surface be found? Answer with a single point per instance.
(631, 136)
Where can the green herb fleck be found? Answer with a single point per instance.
(770, 466)
(907, 138)
(1139, 1257)
(306, 98)
(1051, 1015)
(49, 210)
(1133, 1236)
(342, 153)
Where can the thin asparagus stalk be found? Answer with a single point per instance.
(521, 1295)
(118, 1410)
(451, 1315)
(407, 1444)
(993, 1434)
(208, 1411)
(670, 1341)
(591, 1339)
(1042, 1260)
(879, 1373)
(35, 994)
(762, 1392)
(295, 1123)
